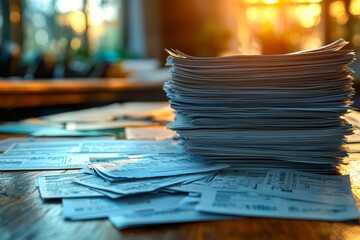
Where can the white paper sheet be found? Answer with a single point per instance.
(153, 165)
(6, 143)
(59, 186)
(230, 179)
(180, 214)
(48, 160)
(92, 208)
(75, 154)
(252, 204)
(335, 189)
(134, 186)
(99, 146)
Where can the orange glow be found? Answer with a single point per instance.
(306, 1)
(77, 21)
(252, 1)
(307, 21)
(342, 19)
(252, 13)
(295, 39)
(15, 16)
(269, 15)
(356, 39)
(312, 43)
(337, 9)
(314, 9)
(308, 14)
(270, 1)
(355, 7)
(301, 10)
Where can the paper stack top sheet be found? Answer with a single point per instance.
(264, 110)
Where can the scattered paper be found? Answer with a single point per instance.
(226, 179)
(59, 186)
(44, 160)
(99, 146)
(93, 208)
(6, 143)
(180, 214)
(134, 186)
(152, 165)
(252, 204)
(308, 187)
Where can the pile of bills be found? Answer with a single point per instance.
(136, 183)
(276, 111)
(131, 195)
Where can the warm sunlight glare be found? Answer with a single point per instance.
(252, 13)
(337, 11)
(314, 9)
(355, 7)
(251, 1)
(270, 1)
(337, 8)
(307, 22)
(312, 43)
(306, 1)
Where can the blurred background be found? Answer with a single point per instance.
(103, 43)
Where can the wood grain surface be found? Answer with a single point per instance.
(24, 215)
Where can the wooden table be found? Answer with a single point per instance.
(39, 93)
(23, 215)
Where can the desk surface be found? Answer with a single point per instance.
(35, 93)
(23, 215)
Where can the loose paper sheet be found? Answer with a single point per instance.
(134, 186)
(230, 179)
(92, 208)
(308, 187)
(153, 165)
(59, 186)
(252, 204)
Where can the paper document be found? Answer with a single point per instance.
(92, 208)
(6, 143)
(308, 187)
(49, 160)
(134, 186)
(229, 179)
(59, 186)
(99, 146)
(181, 213)
(46, 160)
(153, 165)
(252, 204)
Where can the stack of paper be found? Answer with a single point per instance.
(268, 110)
